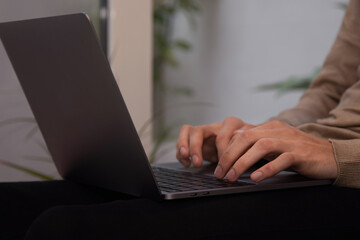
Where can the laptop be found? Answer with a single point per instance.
(85, 123)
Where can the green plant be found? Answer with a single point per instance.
(291, 84)
(27, 170)
(33, 130)
(165, 46)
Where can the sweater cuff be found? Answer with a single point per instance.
(347, 156)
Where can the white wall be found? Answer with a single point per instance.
(239, 45)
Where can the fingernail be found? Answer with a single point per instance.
(195, 159)
(257, 176)
(231, 175)
(182, 151)
(218, 172)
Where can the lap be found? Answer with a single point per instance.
(316, 212)
(22, 202)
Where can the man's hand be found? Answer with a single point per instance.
(208, 142)
(286, 145)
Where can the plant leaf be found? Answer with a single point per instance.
(291, 83)
(342, 5)
(32, 133)
(26, 170)
(17, 120)
(186, 91)
(39, 159)
(182, 44)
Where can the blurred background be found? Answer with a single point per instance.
(179, 62)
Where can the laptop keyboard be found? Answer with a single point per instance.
(170, 180)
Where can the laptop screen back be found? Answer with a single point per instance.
(77, 103)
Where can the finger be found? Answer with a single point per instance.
(259, 150)
(196, 141)
(240, 143)
(182, 146)
(284, 161)
(226, 132)
(195, 146)
(184, 161)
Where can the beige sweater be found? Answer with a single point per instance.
(330, 108)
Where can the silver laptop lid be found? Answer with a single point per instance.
(65, 76)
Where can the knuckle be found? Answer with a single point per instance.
(275, 124)
(242, 134)
(219, 141)
(185, 129)
(289, 157)
(265, 144)
(195, 130)
(269, 170)
(238, 133)
(240, 166)
(246, 134)
(227, 157)
(278, 123)
(230, 119)
(217, 125)
(220, 138)
(291, 129)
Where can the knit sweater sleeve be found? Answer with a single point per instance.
(338, 73)
(347, 154)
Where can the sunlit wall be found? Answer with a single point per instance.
(239, 45)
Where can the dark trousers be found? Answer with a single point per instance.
(64, 210)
